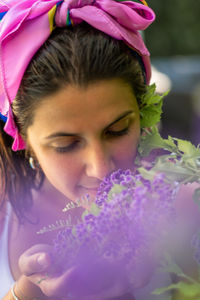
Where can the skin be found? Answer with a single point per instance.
(79, 136)
(82, 147)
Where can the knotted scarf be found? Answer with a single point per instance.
(26, 25)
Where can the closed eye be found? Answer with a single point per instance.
(69, 148)
(109, 133)
(119, 129)
(117, 133)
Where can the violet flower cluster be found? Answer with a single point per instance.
(125, 228)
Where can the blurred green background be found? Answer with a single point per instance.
(174, 43)
(176, 30)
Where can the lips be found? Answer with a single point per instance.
(91, 188)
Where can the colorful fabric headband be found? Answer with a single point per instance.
(26, 25)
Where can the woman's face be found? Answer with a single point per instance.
(80, 135)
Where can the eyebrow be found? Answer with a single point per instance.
(125, 114)
(63, 134)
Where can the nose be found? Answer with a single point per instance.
(98, 163)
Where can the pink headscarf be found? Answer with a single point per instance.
(26, 25)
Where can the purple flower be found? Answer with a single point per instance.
(134, 216)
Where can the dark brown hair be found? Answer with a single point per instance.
(77, 55)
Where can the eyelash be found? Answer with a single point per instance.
(67, 149)
(75, 144)
(118, 133)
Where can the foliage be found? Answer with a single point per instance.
(180, 161)
(151, 107)
(186, 285)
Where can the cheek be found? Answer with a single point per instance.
(62, 171)
(124, 152)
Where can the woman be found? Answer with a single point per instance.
(70, 99)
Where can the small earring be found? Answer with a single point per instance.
(32, 163)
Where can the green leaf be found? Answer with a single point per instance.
(180, 163)
(147, 174)
(150, 115)
(186, 289)
(174, 171)
(187, 148)
(190, 153)
(150, 142)
(116, 189)
(147, 97)
(151, 107)
(169, 266)
(94, 209)
(153, 140)
(170, 145)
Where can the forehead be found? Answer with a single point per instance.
(75, 106)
